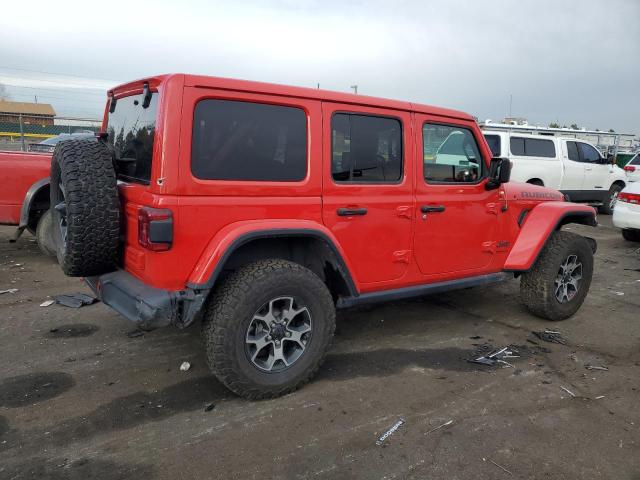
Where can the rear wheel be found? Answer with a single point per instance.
(631, 235)
(559, 281)
(86, 208)
(267, 328)
(44, 235)
(610, 201)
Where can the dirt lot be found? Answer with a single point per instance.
(81, 399)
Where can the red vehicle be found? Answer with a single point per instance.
(261, 208)
(24, 196)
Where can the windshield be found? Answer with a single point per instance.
(130, 130)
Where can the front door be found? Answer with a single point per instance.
(596, 173)
(367, 188)
(456, 217)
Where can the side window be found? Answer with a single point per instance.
(532, 147)
(635, 160)
(365, 149)
(494, 144)
(539, 148)
(517, 146)
(450, 154)
(572, 151)
(589, 154)
(248, 141)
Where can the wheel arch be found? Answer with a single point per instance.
(542, 221)
(311, 247)
(536, 181)
(35, 199)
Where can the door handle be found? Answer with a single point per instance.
(350, 212)
(432, 208)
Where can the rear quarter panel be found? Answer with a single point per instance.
(18, 171)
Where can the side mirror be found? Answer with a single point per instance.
(499, 173)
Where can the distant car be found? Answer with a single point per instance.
(632, 168)
(626, 213)
(49, 145)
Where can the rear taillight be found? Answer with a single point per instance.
(629, 198)
(629, 168)
(155, 228)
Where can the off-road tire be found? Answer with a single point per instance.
(230, 310)
(606, 208)
(84, 168)
(44, 235)
(537, 287)
(631, 235)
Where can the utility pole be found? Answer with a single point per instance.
(510, 102)
(355, 89)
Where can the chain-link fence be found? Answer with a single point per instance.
(28, 133)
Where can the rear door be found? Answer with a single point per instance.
(456, 216)
(573, 176)
(367, 188)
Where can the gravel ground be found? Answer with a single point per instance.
(80, 398)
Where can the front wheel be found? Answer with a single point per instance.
(559, 281)
(610, 200)
(267, 328)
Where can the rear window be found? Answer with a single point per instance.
(494, 144)
(532, 147)
(635, 160)
(130, 130)
(248, 141)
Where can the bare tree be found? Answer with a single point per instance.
(3, 93)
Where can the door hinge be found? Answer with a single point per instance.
(402, 256)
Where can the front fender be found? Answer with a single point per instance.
(236, 234)
(540, 223)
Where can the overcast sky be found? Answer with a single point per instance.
(565, 61)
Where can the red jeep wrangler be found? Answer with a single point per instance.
(261, 208)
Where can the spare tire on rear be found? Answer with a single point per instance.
(85, 207)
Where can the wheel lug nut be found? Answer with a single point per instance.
(277, 342)
(288, 334)
(268, 337)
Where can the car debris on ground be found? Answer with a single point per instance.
(184, 366)
(596, 367)
(75, 300)
(568, 391)
(496, 356)
(446, 424)
(10, 290)
(551, 336)
(390, 432)
(47, 303)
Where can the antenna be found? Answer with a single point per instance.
(355, 88)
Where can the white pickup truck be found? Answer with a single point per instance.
(573, 166)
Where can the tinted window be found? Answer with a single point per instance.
(450, 154)
(365, 148)
(572, 151)
(130, 130)
(635, 160)
(539, 148)
(248, 141)
(589, 154)
(532, 147)
(494, 144)
(517, 146)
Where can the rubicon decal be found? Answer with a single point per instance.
(540, 196)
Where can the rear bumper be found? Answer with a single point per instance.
(146, 306)
(626, 215)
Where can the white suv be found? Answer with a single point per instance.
(572, 166)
